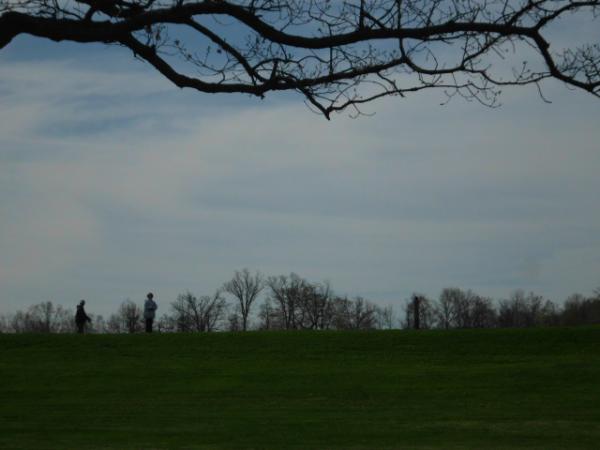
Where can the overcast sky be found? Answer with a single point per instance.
(114, 183)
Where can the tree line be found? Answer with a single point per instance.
(251, 301)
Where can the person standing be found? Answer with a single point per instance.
(150, 308)
(81, 317)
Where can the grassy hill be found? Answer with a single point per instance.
(473, 389)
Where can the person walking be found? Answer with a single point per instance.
(150, 308)
(81, 317)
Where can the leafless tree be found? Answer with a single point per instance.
(385, 317)
(45, 317)
(234, 322)
(482, 312)
(362, 314)
(41, 316)
(340, 313)
(98, 325)
(115, 324)
(315, 304)
(295, 303)
(424, 313)
(551, 314)
(353, 314)
(464, 309)
(446, 310)
(166, 324)
(245, 287)
(463, 303)
(287, 293)
(268, 316)
(52, 318)
(191, 313)
(521, 310)
(337, 54)
(579, 310)
(20, 323)
(128, 319)
(4, 327)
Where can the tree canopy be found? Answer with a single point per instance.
(338, 54)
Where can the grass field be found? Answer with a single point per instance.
(497, 389)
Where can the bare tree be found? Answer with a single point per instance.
(43, 317)
(181, 319)
(420, 312)
(316, 307)
(385, 317)
(19, 322)
(446, 310)
(98, 325)
(340, 315)
(295, 303)
(336, 54)
(234, 322)
(4, 324)
(464, 309)
(115, 324)
(268, 315)
(482, 312)
(166, 324)
(579, 310)
(362, 314)
(214, 309)
(289, 293)
(52, 318)
(245, 287)
(551, 314)
(353, 314)
(198, 314)
(521, 310)
(128, 319)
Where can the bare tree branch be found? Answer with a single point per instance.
(338, 55)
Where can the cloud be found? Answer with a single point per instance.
(113, 183)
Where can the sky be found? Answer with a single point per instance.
(113, 183)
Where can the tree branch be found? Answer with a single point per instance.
(336, 54)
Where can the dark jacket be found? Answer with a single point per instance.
(80, 315)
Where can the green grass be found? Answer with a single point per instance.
(497, 389)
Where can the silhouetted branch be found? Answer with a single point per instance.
(336, 54)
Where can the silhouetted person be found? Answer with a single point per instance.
(81, 317)
(149, 311)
